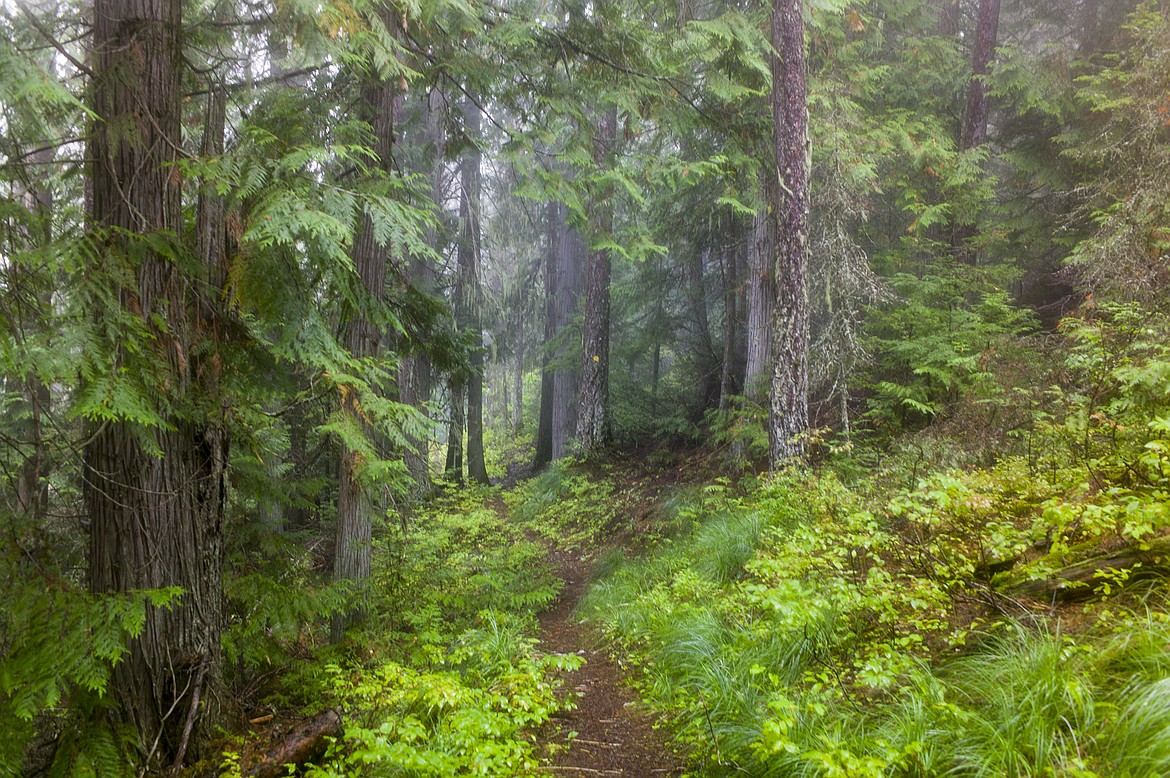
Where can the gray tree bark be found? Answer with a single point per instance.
(469, 249)
(558, 386)
(702, 344)
(416, 375)
(761, 293)
(730, 374)
(788, 420)
(378, 105)
(155, 496)
(593, 412)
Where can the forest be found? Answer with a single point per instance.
(585, 387)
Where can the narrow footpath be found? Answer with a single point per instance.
(613, 736)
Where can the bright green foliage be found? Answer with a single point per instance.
(469, 712)
(566, 507)
(85, 636)
(456, 559)
(797, 628)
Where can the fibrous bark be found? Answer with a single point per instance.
(975, 119)
(154, 494)
(788, 420)
(378, 103)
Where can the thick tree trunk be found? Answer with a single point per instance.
(975, 119)
(761, 293)
(363, 338)
(469, 243)
(593, 412)
(788, 420)
(155, 496)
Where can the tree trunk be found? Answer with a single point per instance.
(155, 495)
(415, 375)
(469, 243)
(975, 119)
(453, 469)
(948, 18)
(731, 328)
(788, 421)
(562, 280)
(702, 346)
(363, 339)
(974, 131)
(761, 292)
(518, 376)
(593, 412)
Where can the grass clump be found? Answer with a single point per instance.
(795, 631)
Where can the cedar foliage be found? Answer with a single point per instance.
(641, 134)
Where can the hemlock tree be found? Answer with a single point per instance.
(593, 413)
(470, 237)
(788, 419)
(157, 448)
(559, 398)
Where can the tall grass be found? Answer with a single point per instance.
(758, 654)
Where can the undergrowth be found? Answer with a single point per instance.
(806, 627)
(444, 677)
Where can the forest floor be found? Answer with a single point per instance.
(607, 733)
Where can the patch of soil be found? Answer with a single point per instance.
(614, 736)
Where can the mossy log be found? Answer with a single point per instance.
(305, 742)
(1084, 579)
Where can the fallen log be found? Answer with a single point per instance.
(306, 742)
(1083, 580)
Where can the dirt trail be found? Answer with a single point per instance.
(614, 737)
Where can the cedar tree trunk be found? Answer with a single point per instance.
(363, 338)
(154, 494)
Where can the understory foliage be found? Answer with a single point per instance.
(447, 679)
(803, 625)
(989, 380)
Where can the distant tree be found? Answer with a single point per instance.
(470, 238)
(559, 399)
(364, 338)
(593, 414)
